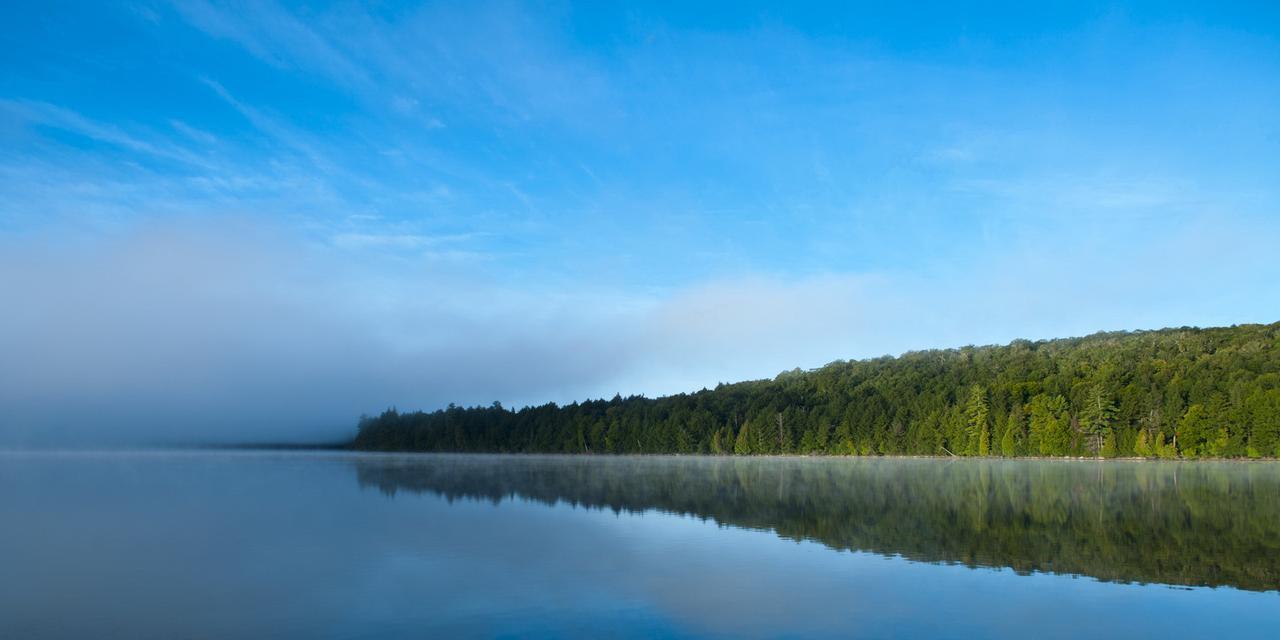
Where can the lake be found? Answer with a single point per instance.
(343, 545)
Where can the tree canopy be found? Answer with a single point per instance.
(1184, 392)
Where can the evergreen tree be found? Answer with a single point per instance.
(1008, 442)
(821, 435)
(1264, 422)
(1096, 417)
(1108, 449)
(1049, 426)
(743, 445)
(809, 441)
(1166, 450)
(978, 413)
(1142, 447)
(1018, 425)
(1194, 431)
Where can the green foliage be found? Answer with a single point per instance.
(1108, 449)
(1050, 429)
(1263, 411)
(1194, 431)
(1142, 447)
(1014, 441)
(717, 442)
(744, 444)
(978, 413)
(1008, 442)
(1188, 392)
(1096, 416)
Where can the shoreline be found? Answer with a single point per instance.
(344, 448)
(821, 456)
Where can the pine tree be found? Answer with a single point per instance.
(978, 412)
(1264, 421)
(1049, 426)
(1096, 418)
(1017, 424)
(808, 441)
(684, 443)
(742, 446)
(844, 444)
(1220, 445)
(764, 440)
(821, 436)
(1008, 443)
(1142, 447)
(1194, 431)
(1109, 445)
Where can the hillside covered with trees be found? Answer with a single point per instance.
(1172, 393)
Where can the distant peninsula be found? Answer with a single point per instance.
(1170, 393)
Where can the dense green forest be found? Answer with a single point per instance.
(1203, 524)
(1172, 393)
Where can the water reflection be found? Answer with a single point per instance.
(1193, 524)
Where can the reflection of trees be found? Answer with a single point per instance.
(1183, 524)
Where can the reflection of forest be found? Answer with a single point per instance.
(1212, 524)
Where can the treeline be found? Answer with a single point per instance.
(1172, 393)
(1208, 524)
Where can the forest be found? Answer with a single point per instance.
(1169, 393)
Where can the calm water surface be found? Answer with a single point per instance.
(248, 545)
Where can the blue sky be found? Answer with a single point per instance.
(271, 214)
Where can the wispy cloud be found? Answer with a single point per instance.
(274, 35)
(202, 137)
(49, 115)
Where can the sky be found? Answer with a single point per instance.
(256, 221)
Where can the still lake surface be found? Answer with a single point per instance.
(338, 545)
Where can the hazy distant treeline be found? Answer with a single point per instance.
(1186, 393)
